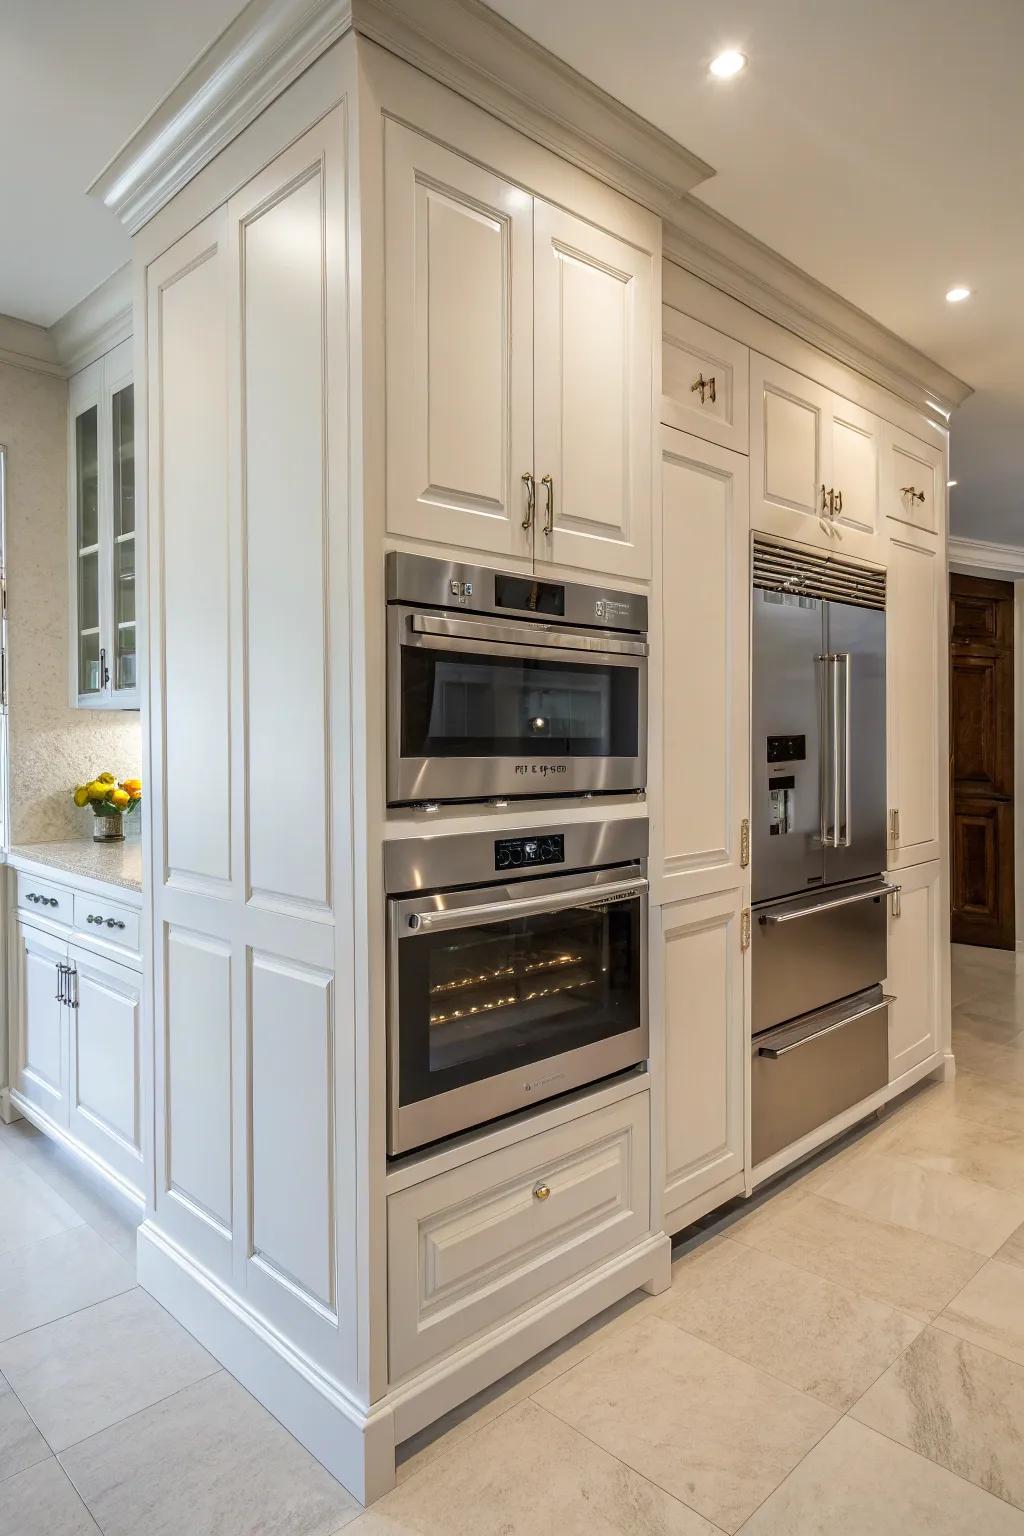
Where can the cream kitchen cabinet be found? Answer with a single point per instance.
(39, 1015)
(814, 462)
(104, 1021)
(519, 368)
(705, 381)
(102, 555)
(700, 968)
(701, 840)
(918, 926)
(916, 624)
(913, 492)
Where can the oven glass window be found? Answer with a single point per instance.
(478, 1001)
(462, 705)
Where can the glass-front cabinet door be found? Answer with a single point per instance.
(102, 519)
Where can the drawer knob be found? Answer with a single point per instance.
(541, 1191)
(114, 922)
(54, 902)
(32, 896)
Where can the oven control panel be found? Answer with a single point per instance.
(528, 852)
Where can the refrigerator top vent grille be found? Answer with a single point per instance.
(803, 573)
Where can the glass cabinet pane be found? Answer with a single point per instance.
(89, 679)
(87, 477)
(123, 446)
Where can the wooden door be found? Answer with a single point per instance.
(981, 760)
(594, 406)
(41, 1022)
(105, 1019)
(459, 317)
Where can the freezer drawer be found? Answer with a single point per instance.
(807, 951)
(808, 1071)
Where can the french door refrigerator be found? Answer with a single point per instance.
(818, 820)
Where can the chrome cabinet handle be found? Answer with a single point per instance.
(61, 969)
(531, 499)
(72, 975)
(113, 922)
(549, 510)
(32, 896)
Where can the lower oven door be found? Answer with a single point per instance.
(500, 999)
(806, 1072)
(479, 708)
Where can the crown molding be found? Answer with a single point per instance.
(266, 47)
(24, 345)
(480, 55)
(99, 322)
(460, 43)
(982, 555)
(720, 253)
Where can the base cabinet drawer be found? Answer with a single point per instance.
(97, 918)
(476, 1245)
(40, 898)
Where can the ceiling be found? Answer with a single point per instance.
(878, 145)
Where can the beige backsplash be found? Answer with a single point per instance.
(52, 746)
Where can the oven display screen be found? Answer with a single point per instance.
(529, 596)
(525, 852)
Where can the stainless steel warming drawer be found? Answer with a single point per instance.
(809, 950)
(808, 1071)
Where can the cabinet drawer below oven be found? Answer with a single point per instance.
(472, 1247)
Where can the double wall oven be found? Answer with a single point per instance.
(518, 970)
(504, 685)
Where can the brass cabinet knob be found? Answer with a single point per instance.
(541, 1191)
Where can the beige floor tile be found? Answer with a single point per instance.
(529, 1474)
(29, 1209)
(972, 1097)
(1012, 1251)
(985, 1154)
(900, 1191)
(858, 1483)
(990, 1311)
(961, 1406)
(112, 1215)
(208, 1461)
(817, 1336)
(46, 1280)
(1002, 1063)
(21, 1444)
(42, 1502)
(86, 1371)
(971, 1021)
(713, 1431)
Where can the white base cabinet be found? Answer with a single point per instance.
(40, 1021)
(918, 935)
(103, 1054)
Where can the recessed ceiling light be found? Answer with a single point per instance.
(957, 295)
(728, 64)
(951, 483)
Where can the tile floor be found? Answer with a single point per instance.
(844, 1355)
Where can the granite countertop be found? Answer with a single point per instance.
(114, 863)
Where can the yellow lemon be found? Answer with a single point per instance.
(120, 798)
(82, 795)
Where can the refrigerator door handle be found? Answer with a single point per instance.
(826, 774)
(844, 837)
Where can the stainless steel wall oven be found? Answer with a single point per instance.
(517, 970)
(506, 685)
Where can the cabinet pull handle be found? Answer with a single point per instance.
(104, 673)
(72, 997)
(113, 922)
(61, 969)
(824, 499)
(531, 499)
(549, 510)
(541, 1191)
(909, 490)
(838, 505)
(705, 386)
(897, 909)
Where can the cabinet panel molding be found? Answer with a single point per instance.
(705, 380)
(916, 940)
(41, 1042)
(197, 1108)
(915, 672)
(104, 1062)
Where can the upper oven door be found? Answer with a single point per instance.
(481, 708)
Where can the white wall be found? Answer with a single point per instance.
(53, 747)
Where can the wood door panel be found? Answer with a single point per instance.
(981, 761)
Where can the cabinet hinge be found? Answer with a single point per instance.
(745, 928)
(744, 843)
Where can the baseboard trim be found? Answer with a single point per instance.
(9, 1111)
(57, 1133)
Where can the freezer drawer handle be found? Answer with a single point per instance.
(827, 906)
(773, 1052)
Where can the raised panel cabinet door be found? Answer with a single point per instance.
(87, 510)
(105, 1016)
(702, 988)
(594, 413)
(704, 381)
(459, 316)
(915, 675)
(913, 491)
(41, 1026)
(855, 465)
(704, 664)
(790, 452)
(917, 932)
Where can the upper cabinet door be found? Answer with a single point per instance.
(916, 625)
(855, 451)
(459, 302)
(120, 416)
(912, 488)
(704, 381)
(790, 450)
(88, 481)
(594, 296)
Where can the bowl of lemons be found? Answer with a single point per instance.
(110, 800)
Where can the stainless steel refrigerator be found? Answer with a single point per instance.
(818, 820)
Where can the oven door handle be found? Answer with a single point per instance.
(533, 636)
(525, 906)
